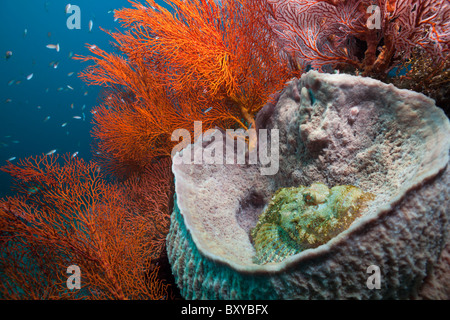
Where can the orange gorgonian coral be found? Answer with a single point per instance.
(150, 196)
(65, 214)
(205, 60)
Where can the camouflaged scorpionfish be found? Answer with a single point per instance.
(300, 218)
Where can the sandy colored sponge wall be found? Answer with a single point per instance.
(334, 130)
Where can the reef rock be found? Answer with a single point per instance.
(333, 130)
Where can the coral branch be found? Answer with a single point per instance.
(209, 61)
(336, 33)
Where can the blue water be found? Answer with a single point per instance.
(26, 27)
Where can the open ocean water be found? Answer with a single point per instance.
(33, 112)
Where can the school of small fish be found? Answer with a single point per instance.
(54, 46)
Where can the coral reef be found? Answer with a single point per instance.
(341, 130)
(220, 62)
(428, 75)
(302, 217)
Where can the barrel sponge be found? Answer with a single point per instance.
(395, 148)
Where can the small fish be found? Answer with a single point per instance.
(91, 24)
(60, 89)
(33, 190)
(77, 117)
(47, 90)
(47, 118)
(74, 154)
(51, 152)
(11, 82)
(207, 110)
(70, 74)
(64, 124)
(54, 47)
(85, 93)
(93, 47)
(69, 87)
(8, 100)
(68, 6)
(18, 82)
(70, 54)
(39, 107)
(15, 141)
(84, 117)
(83, 107)
(8, 54)
(71, 106)
(25, 32)
(49, 34)
(12, 159)
(30, 76)
(55, 65)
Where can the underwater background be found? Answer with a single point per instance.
(34, 111)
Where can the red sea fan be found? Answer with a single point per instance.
(150, 197)
(370, 36)
(420, 23)
(65, 214)
(204, 60)
(314, 32)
